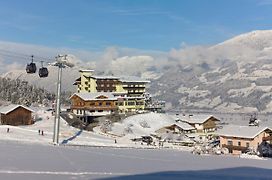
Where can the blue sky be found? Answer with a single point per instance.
(141, 24)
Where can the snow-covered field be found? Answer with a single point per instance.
(68, 134)
(43, 162)
(25, 154)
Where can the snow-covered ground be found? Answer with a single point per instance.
(25, 154)
(43, 162)
(68, 134)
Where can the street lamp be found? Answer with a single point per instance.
(61, 62)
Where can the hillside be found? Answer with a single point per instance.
(234, 76)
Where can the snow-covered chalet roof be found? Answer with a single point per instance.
(11, 107)
(184, 126)
(242, 131)
(86, 96)
(196, 119)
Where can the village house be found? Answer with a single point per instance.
(16, 115)
(177, 128)
(202, 123)
(238, 139)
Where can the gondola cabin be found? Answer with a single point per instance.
(31, 68)
(43, 72)
(16, 115)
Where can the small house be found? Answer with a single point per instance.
(202, 123)
(238, 139)
(16, 115)
(178, 127)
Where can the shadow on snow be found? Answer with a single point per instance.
(65, 141)
(239, 173)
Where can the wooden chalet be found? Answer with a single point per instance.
(202, 123)
(16, 115)
(89, 105)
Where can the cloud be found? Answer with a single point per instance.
(11, 52)
(134, 65)
(127, 61)
(249, 47)
(117, 60)
(4, 67)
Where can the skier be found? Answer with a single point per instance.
(7, 130)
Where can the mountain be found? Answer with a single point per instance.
(233, 76)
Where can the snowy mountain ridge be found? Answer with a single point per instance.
(233, 76)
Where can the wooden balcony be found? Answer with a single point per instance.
(238, 148)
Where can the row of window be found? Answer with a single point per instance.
(105, 85)
(126, 103)
(93, 104)
(82, 111)
(134, 85)
(238, 143)
(129, 103)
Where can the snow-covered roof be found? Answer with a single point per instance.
(104, 77)
(133, 79)
(184, 126)
(86, 70)
(11, 107)
(196, 119)
(86, 96)
(241, 131)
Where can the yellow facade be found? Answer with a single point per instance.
(87, 84)
(119, 88)
(133, 90)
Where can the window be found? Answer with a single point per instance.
(131, 103)
(239, 143)
(108, 103)
(100, 111)
(119, 103)
(100, 104)
(140, 103)
(230, 142)
(247, 144)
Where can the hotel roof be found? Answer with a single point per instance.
(242, 131)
